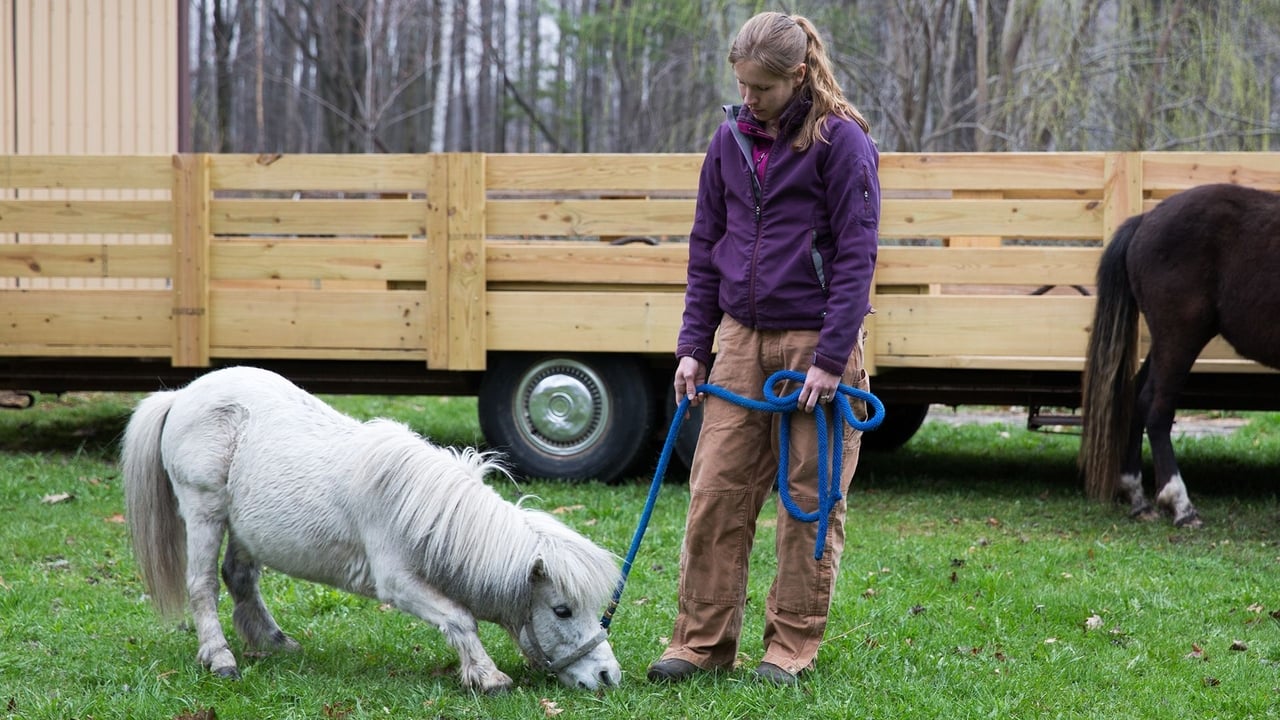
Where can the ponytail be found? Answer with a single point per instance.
(824, 90)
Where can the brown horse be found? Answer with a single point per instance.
(1204, 262)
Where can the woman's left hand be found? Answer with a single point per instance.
(819, 386)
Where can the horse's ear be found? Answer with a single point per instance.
(538, 571)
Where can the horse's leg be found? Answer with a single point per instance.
(251, 617)
(1131, 466)
(204, 540)
(1168, 376)
(404, 590)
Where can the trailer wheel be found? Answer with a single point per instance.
(575, 417)
(900, 423)
(687, 438)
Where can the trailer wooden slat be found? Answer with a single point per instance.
(339, 258)
(74, 216)
(317, 217)
(987, 266)
(575, 261)
(589, 218)
(117, 172)
(637, 173)
(85, 260)
(398, 173)
(337, 321)
(1006, 325)
(62, 319)
(644, 322)
(991, 171)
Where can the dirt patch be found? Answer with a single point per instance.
(1186, 425)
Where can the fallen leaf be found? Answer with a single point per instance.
(567, 508)
(1239, 645)
(117, 519)
(3, 584)
(1197, 653)
(1050, 640)
(203, 714)
(1093, 622)
(337, 711)
(55, 498)
(1255, 608)
(549, 707)
(1211, 681)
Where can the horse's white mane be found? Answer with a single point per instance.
(475, 544)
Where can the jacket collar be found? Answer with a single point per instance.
(789, 123)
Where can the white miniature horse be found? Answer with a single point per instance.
(370, 508)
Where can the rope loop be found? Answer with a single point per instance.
(828, 473)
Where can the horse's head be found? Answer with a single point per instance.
(562, 635)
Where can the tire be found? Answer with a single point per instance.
(900, 423)
(687, 438)
(575, 417)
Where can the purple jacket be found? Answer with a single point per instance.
(801, 257)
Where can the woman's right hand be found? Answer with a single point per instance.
(689, 375)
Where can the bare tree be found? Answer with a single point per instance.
(649, 75)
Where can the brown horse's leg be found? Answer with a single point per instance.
(1131, 466)
(1160, 398)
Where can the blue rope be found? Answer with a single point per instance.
(828, 475)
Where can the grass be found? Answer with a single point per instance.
(972, 571)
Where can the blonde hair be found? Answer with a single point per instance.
(779, 44)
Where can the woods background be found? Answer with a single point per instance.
(367, 76)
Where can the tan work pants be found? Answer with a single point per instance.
(734, 469)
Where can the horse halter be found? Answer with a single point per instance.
(555, 666)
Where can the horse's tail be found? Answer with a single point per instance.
(1107, 396)
(157, 531)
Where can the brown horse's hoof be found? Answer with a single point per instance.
(1190, 521)
(1146, 513)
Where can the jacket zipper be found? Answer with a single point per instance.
(758, 192)
(817, 260)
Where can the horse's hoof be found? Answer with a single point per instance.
(1190, 521)
(284, 643)
(493, 683)
(1146, 514)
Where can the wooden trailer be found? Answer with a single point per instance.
(549, 285)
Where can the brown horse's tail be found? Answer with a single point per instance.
(156, 529)
(1107, 395)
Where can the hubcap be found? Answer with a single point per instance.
(563, 407)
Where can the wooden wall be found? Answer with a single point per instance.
(88, 77)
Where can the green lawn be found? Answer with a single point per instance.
(977, 582)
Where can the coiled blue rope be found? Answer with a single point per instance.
(828, 473)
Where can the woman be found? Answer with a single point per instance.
(781, 257)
